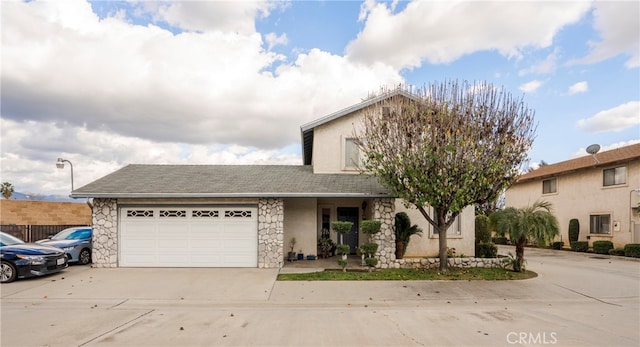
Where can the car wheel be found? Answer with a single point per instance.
(85, 257)
(9, 272)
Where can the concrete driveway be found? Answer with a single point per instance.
(578, 300)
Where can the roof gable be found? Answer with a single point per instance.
(603, 159)
(307, 129)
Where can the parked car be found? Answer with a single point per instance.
(76, 242)
(20, 259)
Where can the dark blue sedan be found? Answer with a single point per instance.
(20, 260)
(76, 242)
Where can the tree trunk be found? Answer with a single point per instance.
(442, 240)
(399, 250)
(517, 267)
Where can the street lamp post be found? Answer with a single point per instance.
(60, 165)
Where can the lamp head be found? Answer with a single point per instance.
(60, 163)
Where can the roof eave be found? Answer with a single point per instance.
(223, 195)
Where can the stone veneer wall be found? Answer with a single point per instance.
(434, 263)
(270, 233)
(384, 211)
(105, 233)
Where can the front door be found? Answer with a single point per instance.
(350, 214)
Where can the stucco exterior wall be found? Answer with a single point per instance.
(427, 245)
(328, 148)
(300, 221)
(581, 194)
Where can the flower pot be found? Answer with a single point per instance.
(300, 256)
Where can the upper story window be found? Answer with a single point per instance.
(614, 176)
(549, 186)
(351, 154)
(600, 223)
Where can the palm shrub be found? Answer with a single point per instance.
(602, 246)
(574, 231)
(404, 230)
(534, 222)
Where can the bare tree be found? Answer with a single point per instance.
(447, 146)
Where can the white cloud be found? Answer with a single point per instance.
(619, 28)
(615, 119)
(443, 31)
(548, 65)
(531, 87)
(579, 87)
(274, 40)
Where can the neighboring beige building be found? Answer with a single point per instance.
(247, 215)
(601, 191)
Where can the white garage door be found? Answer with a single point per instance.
(188, 236)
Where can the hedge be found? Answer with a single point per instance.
(580, 246)
(602, 246)
(632, 250)
(617, 251)
(557, 245)
(487, 250)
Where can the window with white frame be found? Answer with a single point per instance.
(549, 186)
(600, 223)
(455, 228)
(351, 154)
(614, 176)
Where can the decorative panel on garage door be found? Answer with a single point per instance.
(170, 236)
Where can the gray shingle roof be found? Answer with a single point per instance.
(181, 181)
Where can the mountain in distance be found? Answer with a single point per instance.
(41, 197)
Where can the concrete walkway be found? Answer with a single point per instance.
(576, 300)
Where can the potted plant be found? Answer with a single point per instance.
(292, 253)
(404, 230)
(300, 255)
(325, 244)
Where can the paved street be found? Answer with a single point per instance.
(577, 300)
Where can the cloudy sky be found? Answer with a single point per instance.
(109, 83)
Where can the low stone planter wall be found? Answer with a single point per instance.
(434, 263)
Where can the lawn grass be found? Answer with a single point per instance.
(477, 273)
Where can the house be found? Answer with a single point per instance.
(247, 215)
(601, 191)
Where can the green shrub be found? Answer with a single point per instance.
(602, 246)
(632, 250)
(370, 227)
(371, 262)
(574, 230)
(370, 248)
(580, 246)
(483, 234)
(486, 250)
(557, 245)
(343, 249)
(617, 251)
(500, 240)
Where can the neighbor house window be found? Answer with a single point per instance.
(615, 176)
(600, 223)
(549, 186)
(454, 229)
(351, 154)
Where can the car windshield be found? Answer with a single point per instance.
(73, 234)
(7, 240)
